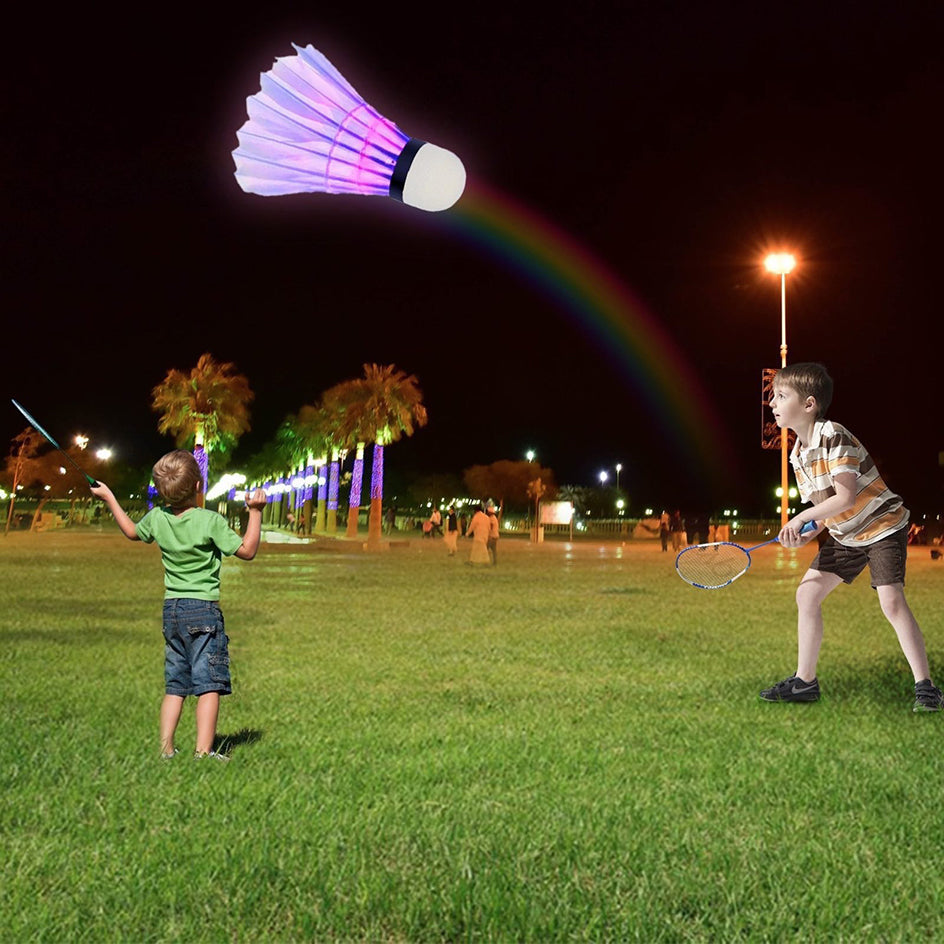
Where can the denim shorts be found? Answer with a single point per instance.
(196, 648)
(886, 559)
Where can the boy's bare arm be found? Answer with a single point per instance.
(843, 499)
(103, 492)
(255, 504)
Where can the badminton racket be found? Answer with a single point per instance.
(55, 445)
(719, 564)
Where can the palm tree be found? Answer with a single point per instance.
(381, 407)
(314, 434)
(351, 428)
(207, 408)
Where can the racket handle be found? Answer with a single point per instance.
(91, 481)
(809, 526)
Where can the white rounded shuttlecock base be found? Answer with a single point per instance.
(435, 180)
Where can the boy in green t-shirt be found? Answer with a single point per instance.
(192, 541)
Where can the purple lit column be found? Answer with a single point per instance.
(377, 473)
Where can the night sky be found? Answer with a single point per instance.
(674, 143)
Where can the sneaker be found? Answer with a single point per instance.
(927, 697)
(199, 755)
(792, 689)
(171, 755)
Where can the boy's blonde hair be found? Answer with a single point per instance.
(809, 380)
(176, 476)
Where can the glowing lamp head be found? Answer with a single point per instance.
(780, 263)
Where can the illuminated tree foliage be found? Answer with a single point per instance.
(35, 468)
(207, 409)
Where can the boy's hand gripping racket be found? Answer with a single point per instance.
(56, 445)
(717, 565)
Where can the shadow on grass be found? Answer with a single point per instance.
(887, 683)
(225, 743)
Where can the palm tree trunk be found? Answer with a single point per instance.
(375, 522)
(321, 516)
(333, 475)
(354, 502)
(38, 513)
(203, 460)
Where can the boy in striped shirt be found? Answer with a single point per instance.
(867, 524)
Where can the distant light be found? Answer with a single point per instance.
(620, 503)
(226, 482)
(81, 441)
(603, 478)
(780, 263)
(529, 455)
(103, 454)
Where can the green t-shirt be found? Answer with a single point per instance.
(192, 547)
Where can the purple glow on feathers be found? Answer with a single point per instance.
(310, 131)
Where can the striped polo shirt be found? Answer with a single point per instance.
(877, 512)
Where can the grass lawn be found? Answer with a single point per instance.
(566, 747)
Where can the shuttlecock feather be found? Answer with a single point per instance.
(309, 131)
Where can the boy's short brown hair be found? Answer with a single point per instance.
(176, 476)
(809, 380)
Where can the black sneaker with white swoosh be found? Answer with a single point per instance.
(792, 689)
(927, 697)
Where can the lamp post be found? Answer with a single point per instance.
(619, 468)
(780, 263)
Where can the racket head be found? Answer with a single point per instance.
(32, 421)
(712, 566)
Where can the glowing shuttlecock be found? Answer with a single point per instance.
(309, 131)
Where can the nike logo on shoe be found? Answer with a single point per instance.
(802, 689)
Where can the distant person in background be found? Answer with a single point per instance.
(479, 528)
(665, 530)
(452, 531)
(678, 530)
(494, 529)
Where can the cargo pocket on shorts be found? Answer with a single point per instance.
(216, 648)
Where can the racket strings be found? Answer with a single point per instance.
(712, 565)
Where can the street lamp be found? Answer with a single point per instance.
(529, 455)
(780, 263)
(619, 468)
(603, 478)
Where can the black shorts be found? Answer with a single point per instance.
(886, 559)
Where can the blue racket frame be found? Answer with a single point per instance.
(747, 551)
